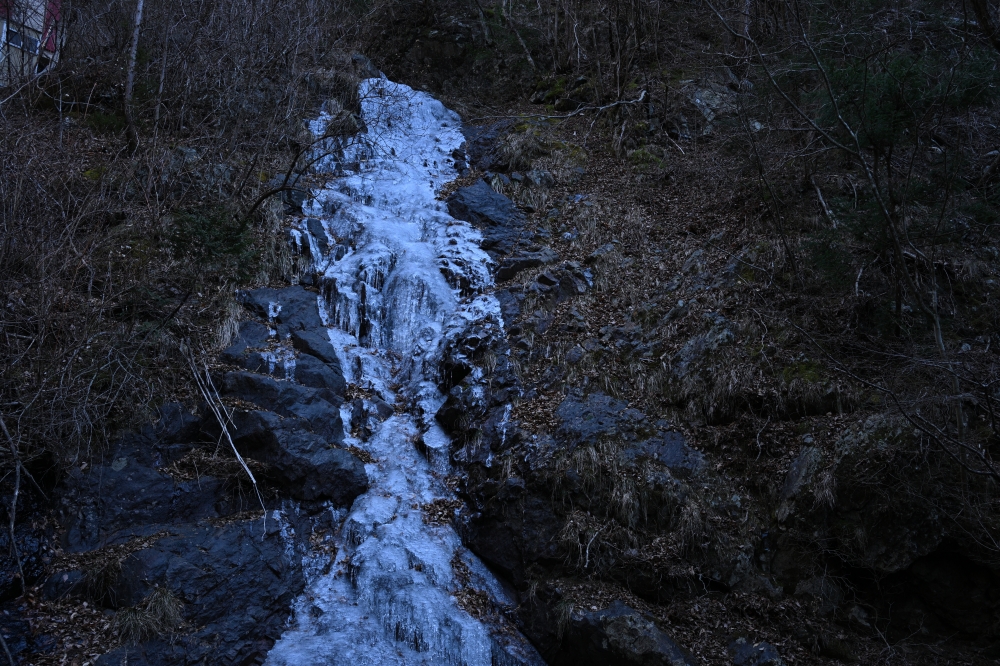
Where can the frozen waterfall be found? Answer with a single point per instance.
(398, 275)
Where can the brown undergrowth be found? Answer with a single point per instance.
(752, 364)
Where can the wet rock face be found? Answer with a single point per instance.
(233, 583)
(126, 496)
(511, 545)
(301, 461)
(314, 409)
(298, 429)
(618, 635)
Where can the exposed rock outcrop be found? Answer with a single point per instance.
(184, 541)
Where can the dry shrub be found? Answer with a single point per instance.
(517, 150)
(593, 545)
(77, 313)
(101, 579)
(601, 478)
(693, 526)
(825, 488)
(116, 250)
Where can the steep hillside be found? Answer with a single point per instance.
(740, 405)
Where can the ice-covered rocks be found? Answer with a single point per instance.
(397, 276)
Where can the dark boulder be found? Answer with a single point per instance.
(745, 653)
(600, 253)
(513, 265)
(300, 460)
(317, 231)
(316, 343)
(529, 533)
(62, 584)
(558, 285)
(235, 585)
(316, 408)
(19, 640)
(480, 205)
(670, 450)
(364, 67)
(314, 373)
(510, 308)
(619, 635)
(598, 417)
(493, 213)
(252, 335)
(175, 425)
(540, 178)
(480, 141)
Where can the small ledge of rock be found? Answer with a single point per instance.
(494, 214)
(620, 634)
(745, 653)
(291, 309)
(511, 266)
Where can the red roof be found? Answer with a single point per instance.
(51, 24)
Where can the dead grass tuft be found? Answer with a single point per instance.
(156, 615)
(517, 150)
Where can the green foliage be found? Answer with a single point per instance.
(886, 87)
(105, 122)
(644, 158)
(215, 239)
(808, 371)
(831, 261)
(95, 174)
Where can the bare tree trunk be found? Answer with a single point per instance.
(130, 74)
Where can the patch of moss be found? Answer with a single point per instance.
(643, 157)
(95, 174)
(809, 371)
(105, 122)
(215, 239)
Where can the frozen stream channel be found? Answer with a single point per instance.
(383, 248)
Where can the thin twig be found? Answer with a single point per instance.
(211, 396)
(6, 649)
(941, 438)
(582, 109)
(13, 504)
